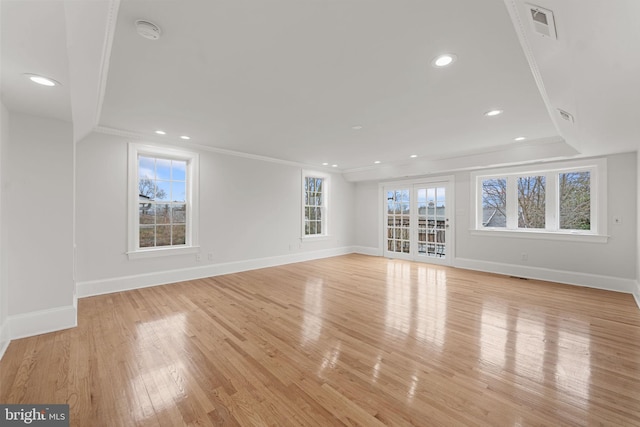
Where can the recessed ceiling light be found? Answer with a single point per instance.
(443, 60)
(492, 113)
(325, 164)
(377, 162)
(358, 127)
(41, 80)
(185, 137)
(520, 138)
(413, 156)
(334, 166)
(161, 132)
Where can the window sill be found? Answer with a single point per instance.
(160, 252)
(544, 235)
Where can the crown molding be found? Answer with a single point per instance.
(162, 141)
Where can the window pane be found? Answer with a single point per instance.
(318, 227)
(163, 190)
(147, 213)
(178, 235)
(163, 169)
(178, 170)
(312, 214)
(147, 236)
(163, 213)
(178, 191)
(179, 214)
(312, 227)
(494, 202)
(319, 182)
(147, 189)
(531, 202)
(146, 168)
(575, 200)
(163, 235)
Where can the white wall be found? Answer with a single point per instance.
(39, 207)
(249, 212)
(610, 265)
(590, 262)
(367, 218)
(4, 248)
(637, 290)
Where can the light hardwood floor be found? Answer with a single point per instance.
(351, 340)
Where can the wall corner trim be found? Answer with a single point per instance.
(42, 321)
(366, 250)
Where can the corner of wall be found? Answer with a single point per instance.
(42, 322)
(636, 294)
(4, 338)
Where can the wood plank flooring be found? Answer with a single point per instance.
(351, 340)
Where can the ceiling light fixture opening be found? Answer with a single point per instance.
(41, 80)
(161, 132)
(325, 164)
(377, 162)
(413, 156)
(334, 166)
(493, 113)
(520, 138)
(444, 60)
(185, 137)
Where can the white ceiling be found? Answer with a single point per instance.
(289, 79)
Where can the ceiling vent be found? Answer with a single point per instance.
(566, 116)
(147, 29)
(542, 21)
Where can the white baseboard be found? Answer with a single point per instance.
(42, 322)
(5, 338)
(366, 250)
(125, 283)
(636, 293)
(609, 283)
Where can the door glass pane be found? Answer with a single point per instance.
(399, 221)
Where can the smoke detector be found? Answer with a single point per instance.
(542, 21)
(147, 29)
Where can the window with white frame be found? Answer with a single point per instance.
(163, 204)
(314, 204)
(561, 198)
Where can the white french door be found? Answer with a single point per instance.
(418, 221)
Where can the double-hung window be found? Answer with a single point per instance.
(163, 205)
(558, 200)
(315, 188)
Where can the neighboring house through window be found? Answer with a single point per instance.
(567, 198)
